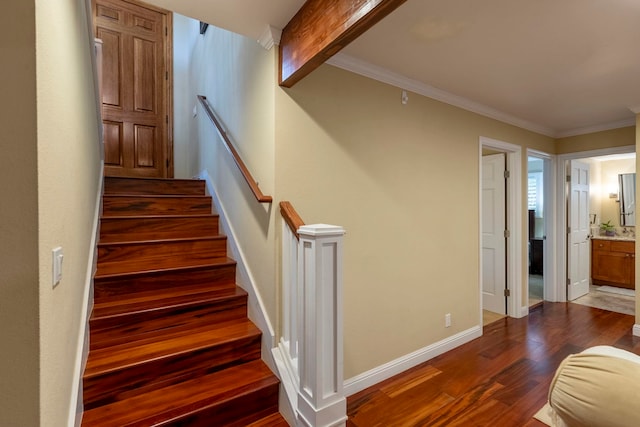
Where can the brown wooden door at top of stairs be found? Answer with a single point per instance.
(135, 88)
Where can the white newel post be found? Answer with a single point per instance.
(321, 401)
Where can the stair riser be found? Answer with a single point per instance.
(153, 186)
(135, 206)
(136, 229)
(149, 253)
(258, 404)
(120, 329)
(220, 277)
(131, 381)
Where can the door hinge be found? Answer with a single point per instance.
(568, 178)
(167, 118)
(507, 174)
(507, 234)
(568, 281)
(166, 31)
(568, 230)
(507, 292)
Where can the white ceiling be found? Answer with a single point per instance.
(558, 67)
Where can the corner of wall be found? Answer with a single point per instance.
(76, 407)
(244, 277)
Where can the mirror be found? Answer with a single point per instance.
(627, 195)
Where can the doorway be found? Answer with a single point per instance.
(602, 208)
(512, 234)
(538, 180)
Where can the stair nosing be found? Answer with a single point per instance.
(161, 196)
(152, 178)
(173, 216)
(228, 261)
(169, 240)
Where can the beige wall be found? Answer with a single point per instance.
(238, 78)
(19, 327)
(594, 141)
(49, 170)
(68, 182)
(185, 147)
(610, 208)
(403, 181)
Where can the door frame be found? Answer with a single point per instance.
(514, 225)
(559, 291)
(549, 244)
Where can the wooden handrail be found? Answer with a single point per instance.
(291, 217)
(253, 185)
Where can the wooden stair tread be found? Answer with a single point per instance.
(170, 341)
(155, 251)
(156, 196)
(155, 204)
(156, 227)
(117, 185)
(129, 354)
(169, 403)
(167, 240)
(159, 217)
(128, 268)
(161, 299)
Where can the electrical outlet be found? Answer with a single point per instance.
(57, 257)
(447, 320)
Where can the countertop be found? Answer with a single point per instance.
(625, 238)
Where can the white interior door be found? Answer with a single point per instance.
(579, 234)
(493, 239)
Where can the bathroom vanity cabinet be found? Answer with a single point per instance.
(613, 263)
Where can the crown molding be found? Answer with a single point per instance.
(270, 37)
(384, 75)
(349, 63)
(597, 128)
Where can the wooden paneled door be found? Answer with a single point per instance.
(136, 87)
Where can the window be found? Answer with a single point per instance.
(534, 193)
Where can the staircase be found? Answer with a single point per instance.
(170, 341)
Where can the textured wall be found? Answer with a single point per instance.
(68, 181)
(403, 181)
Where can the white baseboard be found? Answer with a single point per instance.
(636, 330)
(287, 400)
(401, 364)
(82, 346)
(524, 311)
(244, 277)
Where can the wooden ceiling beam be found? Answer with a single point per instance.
(321, 28)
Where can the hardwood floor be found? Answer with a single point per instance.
(500, 379)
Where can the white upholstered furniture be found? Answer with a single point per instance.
(599, 387)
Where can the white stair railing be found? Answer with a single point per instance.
(310, 352)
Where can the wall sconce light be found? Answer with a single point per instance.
(404, 98)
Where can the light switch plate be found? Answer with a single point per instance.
(57, 265)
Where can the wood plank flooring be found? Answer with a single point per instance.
(170, 340)
(500, 379)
